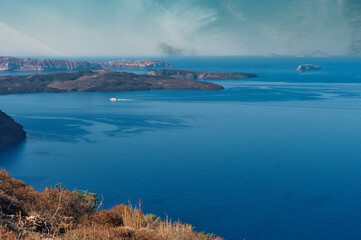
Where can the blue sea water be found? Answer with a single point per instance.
(278, 157)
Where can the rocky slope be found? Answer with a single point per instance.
(28, 64)
(95, 81)
(308, 67)
(184, 74)
(11, 133)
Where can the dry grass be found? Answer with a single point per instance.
(57, 213)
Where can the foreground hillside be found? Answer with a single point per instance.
(62, 214)
(95, 81)
(11, 133)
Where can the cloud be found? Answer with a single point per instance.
(187, 27)
(234, 7)
(168, 50)
(352, 12)
(301, 27)
(18, 43)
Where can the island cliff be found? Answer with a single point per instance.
(50, 65)
(11, 133)
(95, 81)
(192, 75)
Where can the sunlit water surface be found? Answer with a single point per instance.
(277, 157)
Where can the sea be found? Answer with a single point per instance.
(275, 157)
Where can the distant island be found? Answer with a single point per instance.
(11, 133)
(194, 75)
(13, 64)
(308, 67)
(315, 54)
(96, 81)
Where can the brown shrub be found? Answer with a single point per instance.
(99, 233)
(15, 195)
(55, 210)
(5, 234)
(108, 217)
(69, 215)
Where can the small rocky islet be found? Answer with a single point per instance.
(308, 67)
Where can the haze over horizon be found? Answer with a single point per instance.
(174, 28)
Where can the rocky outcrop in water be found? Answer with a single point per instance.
(11, 133)
(95, 81)
(308, 67)
(53, 65)
(184, 74)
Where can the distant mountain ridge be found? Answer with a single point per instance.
(13, 64)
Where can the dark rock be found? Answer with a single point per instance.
(184, 74)
(11, 133)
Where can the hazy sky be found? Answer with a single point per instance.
(179, 27)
